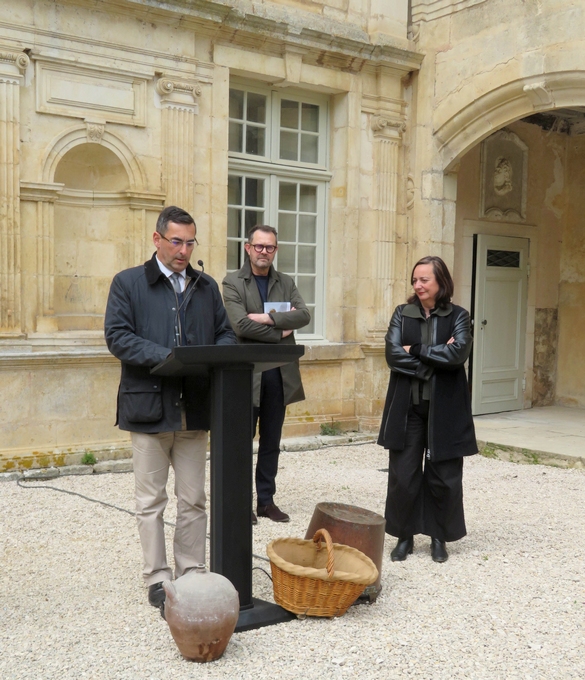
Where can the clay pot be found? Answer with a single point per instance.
(202, 610)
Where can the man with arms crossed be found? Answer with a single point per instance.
(151, 309)
(245, 293)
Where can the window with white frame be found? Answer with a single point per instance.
(278, 176)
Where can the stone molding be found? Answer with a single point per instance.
(427, 10)
(89, 91)
(387, 127)
(508, 102)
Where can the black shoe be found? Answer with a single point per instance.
(438, 550)
(273, 512)
(254, 519)
(156, 595)
(402, 550)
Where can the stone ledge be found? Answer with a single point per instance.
(125, 464)
(515, 454)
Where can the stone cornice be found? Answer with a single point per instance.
(270, 27)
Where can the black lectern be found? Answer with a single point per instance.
(230, 368)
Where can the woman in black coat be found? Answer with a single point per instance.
(427, 424)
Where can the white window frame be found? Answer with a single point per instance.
(272, 169)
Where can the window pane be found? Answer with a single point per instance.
(234, 190)
(310, 327)
(289, 114)
(287, 196)
(236, 104)
(256, 110)
(255, 140)
(307, 229)
(308, 198)
(255, 192)
(233, 223)
(310, 118)
(307, 259)
(286, 259)
(287, 227)
(309, 149)
(251, 219)
(236, 137)
(232, 255)
(306, 286)
(288, 146)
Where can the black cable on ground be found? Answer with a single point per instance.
(107, 505)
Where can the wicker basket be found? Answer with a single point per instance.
(314, 582)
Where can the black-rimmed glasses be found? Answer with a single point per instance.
(259, 248)
(179, 243)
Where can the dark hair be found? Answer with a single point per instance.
(443, 278)
(172, 214)
(262, 227)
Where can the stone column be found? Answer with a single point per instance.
(387, 148)
(12, 69)
(179, 102)
(44, 195)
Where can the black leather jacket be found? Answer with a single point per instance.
(451, 432)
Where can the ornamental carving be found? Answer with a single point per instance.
(95, 132)
(389, 126)
(18, 59)
(166, 87)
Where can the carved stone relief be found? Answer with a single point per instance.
(504, 162)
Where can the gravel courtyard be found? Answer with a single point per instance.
(509, 603)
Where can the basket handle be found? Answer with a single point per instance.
(323, 533)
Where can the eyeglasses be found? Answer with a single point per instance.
(179, 243)
(259, 248)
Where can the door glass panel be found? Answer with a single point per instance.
(256, 109)
(232, 255)
(255, 192)
(289, 114)
(255, 140)
(288, 146)
(307, 228)
(233, 223)
(503, 258)
(307, 259)
(287, 227)
(236, 105)
(236, 136)
(286, 259)
(234, 190)
(306, 286)
(309, 149)
(287, 196)
(308, 198)
(310, 118)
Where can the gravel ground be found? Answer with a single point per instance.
(509, 603)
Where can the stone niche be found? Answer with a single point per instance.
(504, 170)
(92, 217)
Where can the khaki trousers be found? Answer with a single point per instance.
(152, 455)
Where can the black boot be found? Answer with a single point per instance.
(402, 550)
(438, 550)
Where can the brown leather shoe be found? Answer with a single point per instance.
(273, 512)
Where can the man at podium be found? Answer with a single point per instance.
(152, 308)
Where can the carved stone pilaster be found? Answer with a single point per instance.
(383, 126)
(12, 67)
(386, 159)
(44, 195)
(179, 156)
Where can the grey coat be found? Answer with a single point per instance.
(140, 322)
(241, 297)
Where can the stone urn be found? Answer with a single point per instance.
(202, 610)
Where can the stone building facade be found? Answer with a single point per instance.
(369, 133)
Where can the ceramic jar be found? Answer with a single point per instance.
(202, 610)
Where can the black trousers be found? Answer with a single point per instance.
(423, 497)
(270, 418)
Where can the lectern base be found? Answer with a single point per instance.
(262, 614)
